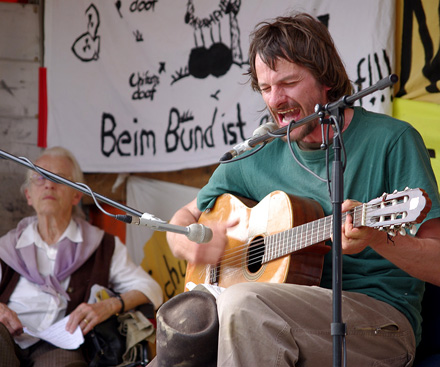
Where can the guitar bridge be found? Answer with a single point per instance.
(214, 274)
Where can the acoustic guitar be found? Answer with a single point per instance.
(282, 238)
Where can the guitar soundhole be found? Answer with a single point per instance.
(255, 255)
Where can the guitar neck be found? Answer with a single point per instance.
(297, 238)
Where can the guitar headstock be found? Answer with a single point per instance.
(397, 211)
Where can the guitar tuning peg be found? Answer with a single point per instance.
(402, 232)
(395, 192)
(413, 230)
(392, 232)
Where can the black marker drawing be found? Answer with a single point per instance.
(138, 36)
(431, 70)
(118, 5)
(215, 95)
(142, 5)
(218, 58)
(365, 74)
(86, 46)
(143, 84)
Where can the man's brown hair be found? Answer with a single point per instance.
(305, 41)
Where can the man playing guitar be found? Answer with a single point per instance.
(294, 65)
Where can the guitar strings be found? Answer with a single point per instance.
(256, 252)
(320, 233)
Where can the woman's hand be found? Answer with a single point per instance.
(88, 315)
(10, 319)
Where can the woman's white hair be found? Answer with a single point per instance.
(77, 174)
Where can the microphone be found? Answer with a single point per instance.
(199, 233)
(195, 232)
(250, 143)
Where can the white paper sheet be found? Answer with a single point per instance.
(59, 336)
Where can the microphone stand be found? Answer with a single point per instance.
(336, 109)
(337, 329)
(195, 232)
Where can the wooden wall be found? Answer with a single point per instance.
(20, 50)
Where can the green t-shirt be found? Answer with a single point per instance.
(383, 155)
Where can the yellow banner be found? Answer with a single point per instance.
(160, 263)
(424, 116)
(417, 50)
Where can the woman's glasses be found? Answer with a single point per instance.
(38, 180)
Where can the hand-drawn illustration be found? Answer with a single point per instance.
(86, 46)
(134, 115)
(118, 5)
(364, 70)
(138, 36)
(365, 77)
(215, 95)
(431, 69)
(216, 59)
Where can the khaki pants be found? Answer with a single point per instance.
(41, 354)
(269, 325)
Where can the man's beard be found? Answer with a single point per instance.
(305, 131)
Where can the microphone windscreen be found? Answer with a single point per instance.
(199, 233)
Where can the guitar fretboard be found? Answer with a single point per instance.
(297, 238)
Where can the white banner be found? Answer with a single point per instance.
(158, 85)
(148, 248)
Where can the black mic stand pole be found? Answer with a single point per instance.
(337, 327)
(336, 109)
(194, 232)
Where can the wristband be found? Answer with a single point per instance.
(118, 296)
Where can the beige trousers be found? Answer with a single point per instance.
(278, 325)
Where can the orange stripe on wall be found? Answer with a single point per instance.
(107, 223)
(42, 108)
